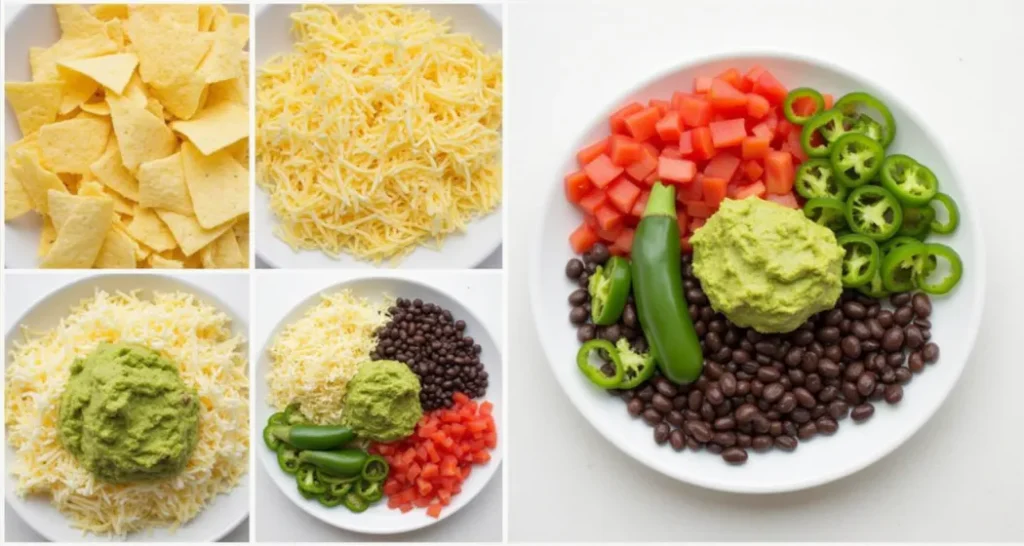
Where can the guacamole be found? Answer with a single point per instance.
(127, 416)
(766, 266)
(383, 401)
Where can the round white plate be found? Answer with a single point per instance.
(379, 519)
(462, 251)
(33, 25)
(221, 515)
(955, 319)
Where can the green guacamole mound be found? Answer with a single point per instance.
(383, 401)
(766, 266)
(127, 416)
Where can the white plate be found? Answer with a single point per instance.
(379, 519)
(462, 251)
(33, 25)
(221, 515)
(955, 319)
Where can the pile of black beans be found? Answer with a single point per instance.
(428, 339)
(761, 391)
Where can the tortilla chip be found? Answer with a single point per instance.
(44, 61)
(36, 180)
(34, 103)
(222, 253)
(241, 230)
(216, 127)
(189, 234)
(218, 185)
(239, 28)
(207, 12)
(147, 228)
(235, 90)
(16, 201)
(111, 71)
(141, 136)
(110, 171)
(186, 15)
(157, 261)
(100, 108)
(167, 50)
(76, 22)
(182, 95)
(46, 237)
(221, 63)
(240, 151)
(136, 92)
(115, 31)
(71, 146)
(78, 243)
(95, 189)
(108, 12)
(162, 185)
(117, 252)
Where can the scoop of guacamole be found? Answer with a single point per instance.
(383, 401)
(766, 266)
(127, 416)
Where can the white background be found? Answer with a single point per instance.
(23, 290)
(962, 476)
(277, 518)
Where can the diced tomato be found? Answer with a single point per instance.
(590, 202)
(583, 239)
(698, 209)
(727, 133)
(795, 147)
(642, 124)
(786, 200)
(694, 111)
(676, 170)
(663, 106)
(622, 246)
(576, 186)
(677, 100)
(434, 511)
(618, 119)
(601, 171)
(756, 147)
(697, 223)
(623, 195)
(703, 146)
(701, 84)
(714, 190)
(829, 100)
(685, 143)
(682, 220)
(770, 88)
(762, 130)
(756, 189)
(609, 220)
(724, 96)
(671, 152)
(805, 107)
(669, 127)
(624, 151)
(753, 170)
(590, 153)
(783, 130)
(757, 106)
(730, 76)
(753, 74)
(722, 166)
(640, 204)
(647, 164)
(779, 173)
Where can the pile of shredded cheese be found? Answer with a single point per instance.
(211, 360)
(380, 132)
(313, 359)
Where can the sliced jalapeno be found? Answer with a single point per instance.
(821, 131)
(279, 418)
(896, 242)
(861, 261)
(911, 182)
(375, 469)
(937, 252)
(329, 499)
(288, 458)
(875, 288)
(604, 349)
(853, 104)
(855, 159)
(898, 267)
(309, 480)
(815, 178)
(917, 222)
(268, 437)
(952, 214)
(802, 94)
(873, 211)
(355, 503)
(827, 212)
(865, 125)
(609, 290)
(370, 491)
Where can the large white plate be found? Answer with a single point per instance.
(465, 250)
(33, 25)
(379, 519)
(221, 515)
(955, 319)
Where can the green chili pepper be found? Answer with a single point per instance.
(851, 104)
(873, 211)
(343, 462)
(341, 489)
(328, 479)
(370, 491)
(911, 182)
(896, 242)
(330, 499)
(917, 222)
(308, 480)
(375, 469)
(865, 125)
(802, 93)
(947, 283)
(609, 289)
(636, 367)
(855, 159)
(815, 178)
(952, 214)
(288, 458)
(268, 438)
(861, 260)
(279, 418)
(355, 503)
(658, 289)
(827, 212)
(317, 437)
(898, 267)
(603, 349)
(827, 127)
(875, 288)
(293, 415)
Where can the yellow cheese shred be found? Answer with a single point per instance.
(380, 132)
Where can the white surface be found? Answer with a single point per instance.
(955, 317)
(480, 293)
(469, 249)
(40, 301)
(960, 477)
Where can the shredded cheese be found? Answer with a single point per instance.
(314, 358)
(380, 132)
(195, 335)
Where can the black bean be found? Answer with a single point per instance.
(651, 416)
(746, 413)
(661, 433)
(922, 305)
(675, 418)
(579, 297)
(735, 455)
(866, 383)
(893, 394)
(828, 368)
(828, 335)
(677, 439)
(586, 333)
(838, 409)
(804, 397)
(578, 315)
(851, 347)
(787, 403)
(661, 403)
(903, 316)
(773, 392)
(930, 352)
(635, 407)
(901, 299)
(826, 425)
(629, 317)
(724, 439)
(854, 310)
(916, 362)
(699, 430)
(725, 423)
(862, 412)
(599, 254)
(903, 376)
(834, 317)
(762, 443)
(573, 269)
(915, 337)
(807, 430)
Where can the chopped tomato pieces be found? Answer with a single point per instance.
(624, 151)
(662, 105)
(770, 88)
(577, 185)
(647, 164)
(724, 96)
(756, 147)
(786, 200)
(592, 201)
(779, 173)
(623, 244)
(714, 190)
(601, 171)
(669, 127)
(727, 133)
(701, 84)
(703, 146)
(722, 166)
(642, 124)
(756, 189)
(640, 204)
(623, 194)
(730, 76)
(753, 170)
(694, 111)
(618, 119)
(757, 106)
(582, 240)
(676, 170)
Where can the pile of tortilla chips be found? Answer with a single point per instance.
(135, 145)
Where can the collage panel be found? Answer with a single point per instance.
(380, 401)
